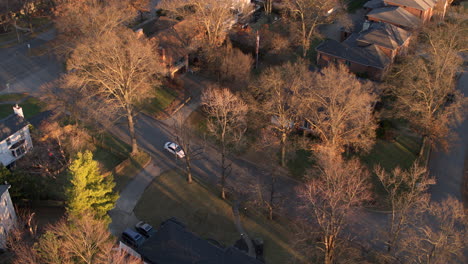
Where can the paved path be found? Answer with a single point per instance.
(122, 215)
(448, 168)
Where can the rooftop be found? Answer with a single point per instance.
(395, 15)
(417, 4)
(172, 243)
(369, 55)
(3, 189)
(383, 35)
(372, 4)
(10, 125)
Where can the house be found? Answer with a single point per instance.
(370, 52)
(373, 4)
(7, 214)
(15, 138)
(175, 43)
(396, 16)
(423, 9)
(173, 243)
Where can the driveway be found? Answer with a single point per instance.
(448, 168)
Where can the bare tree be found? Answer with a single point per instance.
(338, 187)
(213, 16)
(309, 14)
(184, 138)
(226, 121)
(118, 69)
(407, 192)
(76, 19)
(81, 239)
(425, 86)
(268, 6)
(438, 235)
(277, 91)
(339, 109)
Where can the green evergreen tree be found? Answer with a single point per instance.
(89, 190)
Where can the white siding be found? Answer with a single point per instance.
(7, 217)
(6, 157)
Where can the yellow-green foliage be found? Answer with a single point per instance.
(89, 190)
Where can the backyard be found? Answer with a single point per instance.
(31, 105)
(208, 216)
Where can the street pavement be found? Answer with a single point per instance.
(20, 72)
(448, 167)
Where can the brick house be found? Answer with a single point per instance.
(7, 214)
(423, 9)
(15, 138)
(396, 16)
(370, 52)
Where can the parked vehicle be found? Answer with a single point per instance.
(132, 238)
(174, 149)
(145, 229)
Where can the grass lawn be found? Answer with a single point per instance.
(129, 168)
(163, 97)
(114, 155)
(12, 97)
(208, 216)
(300, 163)
(401, 152)
(31, 107)
(197, 120)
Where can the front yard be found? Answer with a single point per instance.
(208, 216)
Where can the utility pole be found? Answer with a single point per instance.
(256, 50)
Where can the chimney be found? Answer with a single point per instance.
(140, 33)
(18, 110)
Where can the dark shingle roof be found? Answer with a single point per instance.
(384, 35)
(10, 125)
(395, 15)
(172, 243)
(372, 4)
(349, 50)
(3, 189)
(417, 4)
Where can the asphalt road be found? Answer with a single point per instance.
(26, 73)
(448, 168)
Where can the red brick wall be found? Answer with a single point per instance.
(373, 73)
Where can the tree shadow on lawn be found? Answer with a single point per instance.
(207, 215)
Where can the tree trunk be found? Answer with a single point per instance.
(329, 249)
(131, 128)
(188, 167)
(283, 149)
(223, 176)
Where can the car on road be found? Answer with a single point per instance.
(174, 149)
(132, 238)
(145, 229)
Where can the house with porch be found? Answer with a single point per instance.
(7, 214)
(15, 137)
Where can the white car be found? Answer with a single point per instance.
(174, 149)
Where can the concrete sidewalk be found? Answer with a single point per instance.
(122, 215)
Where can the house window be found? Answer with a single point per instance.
(8, 141)
(18, 152)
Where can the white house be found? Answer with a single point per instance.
(7, 214)
(15, 139)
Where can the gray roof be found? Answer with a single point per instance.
(383, 35)
(10, 125)
(172, 243)
(417, 4)
(372, 4)
(3, 189)
(395, 15)
(369, 55)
